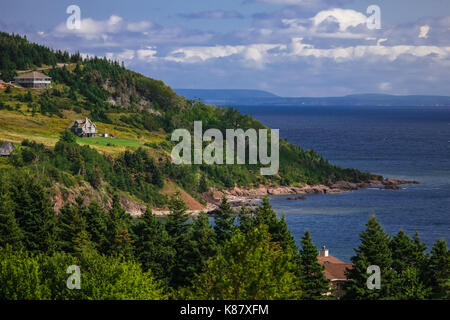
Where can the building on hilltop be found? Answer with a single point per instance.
(334, 271)
(84, 128)
(6, 149)
(33, 79)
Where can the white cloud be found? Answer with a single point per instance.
(125, 55)
(380, 41)
(92, 29)
(255, 53)
(424, 31)
(298, 48)
(344, 17)
(141, 26)
(147, 54)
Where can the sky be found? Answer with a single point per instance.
(288, 47)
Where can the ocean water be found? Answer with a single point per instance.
(404, 142)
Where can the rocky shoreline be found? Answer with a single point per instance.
(238, 197)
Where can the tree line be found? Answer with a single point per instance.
(251, 255)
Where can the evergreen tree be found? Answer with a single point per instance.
(373, 250)
(10, 232)
(97, 221)
(224, 221)
(250, 266)
(72, 234)
(203, 244)
(179, 232)
(33, 212)
(278, 228)
(313, 282)
(152, 246)
(119, 222)
(440, 270)
(245, 219)
(176, 220)
(409, 262)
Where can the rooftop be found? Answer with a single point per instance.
(334, 268)
(32, 75)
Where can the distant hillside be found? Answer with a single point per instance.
(223, 96)
(260, 98)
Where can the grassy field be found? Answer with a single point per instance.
(16, 126)
(108, 142)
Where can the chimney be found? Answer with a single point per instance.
(323, 252)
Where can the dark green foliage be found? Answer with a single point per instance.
(97, 222)
(179, 231)
(224, 222)
(250, 266)
(120, 240)
(440, 270)
(264, 214)
(32, 210)
(152, 246)
(313, 282)
(410, 264)
(203, 244)
(373, 250)
(10, 232)
(72, 230)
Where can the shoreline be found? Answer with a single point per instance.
(250, 197)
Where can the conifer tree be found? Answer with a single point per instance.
(313, 282)
(440, 270)
(10, 232)
(250, 266)
(224, 222)
(409, 262)
(203, 243)
(71, 228)
(278, 228)
(245, 219)
(34, 212)
(118, 235)
(373, 250)
(152, 246)
(179, 232)
(97, 226)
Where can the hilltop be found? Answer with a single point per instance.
(140, 113)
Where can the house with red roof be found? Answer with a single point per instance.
(334, 270)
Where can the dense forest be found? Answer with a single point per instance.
(251, 255)
(248, 256)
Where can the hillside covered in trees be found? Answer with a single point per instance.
(142, 110)
(244, 256)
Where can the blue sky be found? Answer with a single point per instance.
(288, 47)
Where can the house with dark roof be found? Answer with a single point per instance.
(334, 270)
(33, 79)
(84, 128)
(6, 149)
